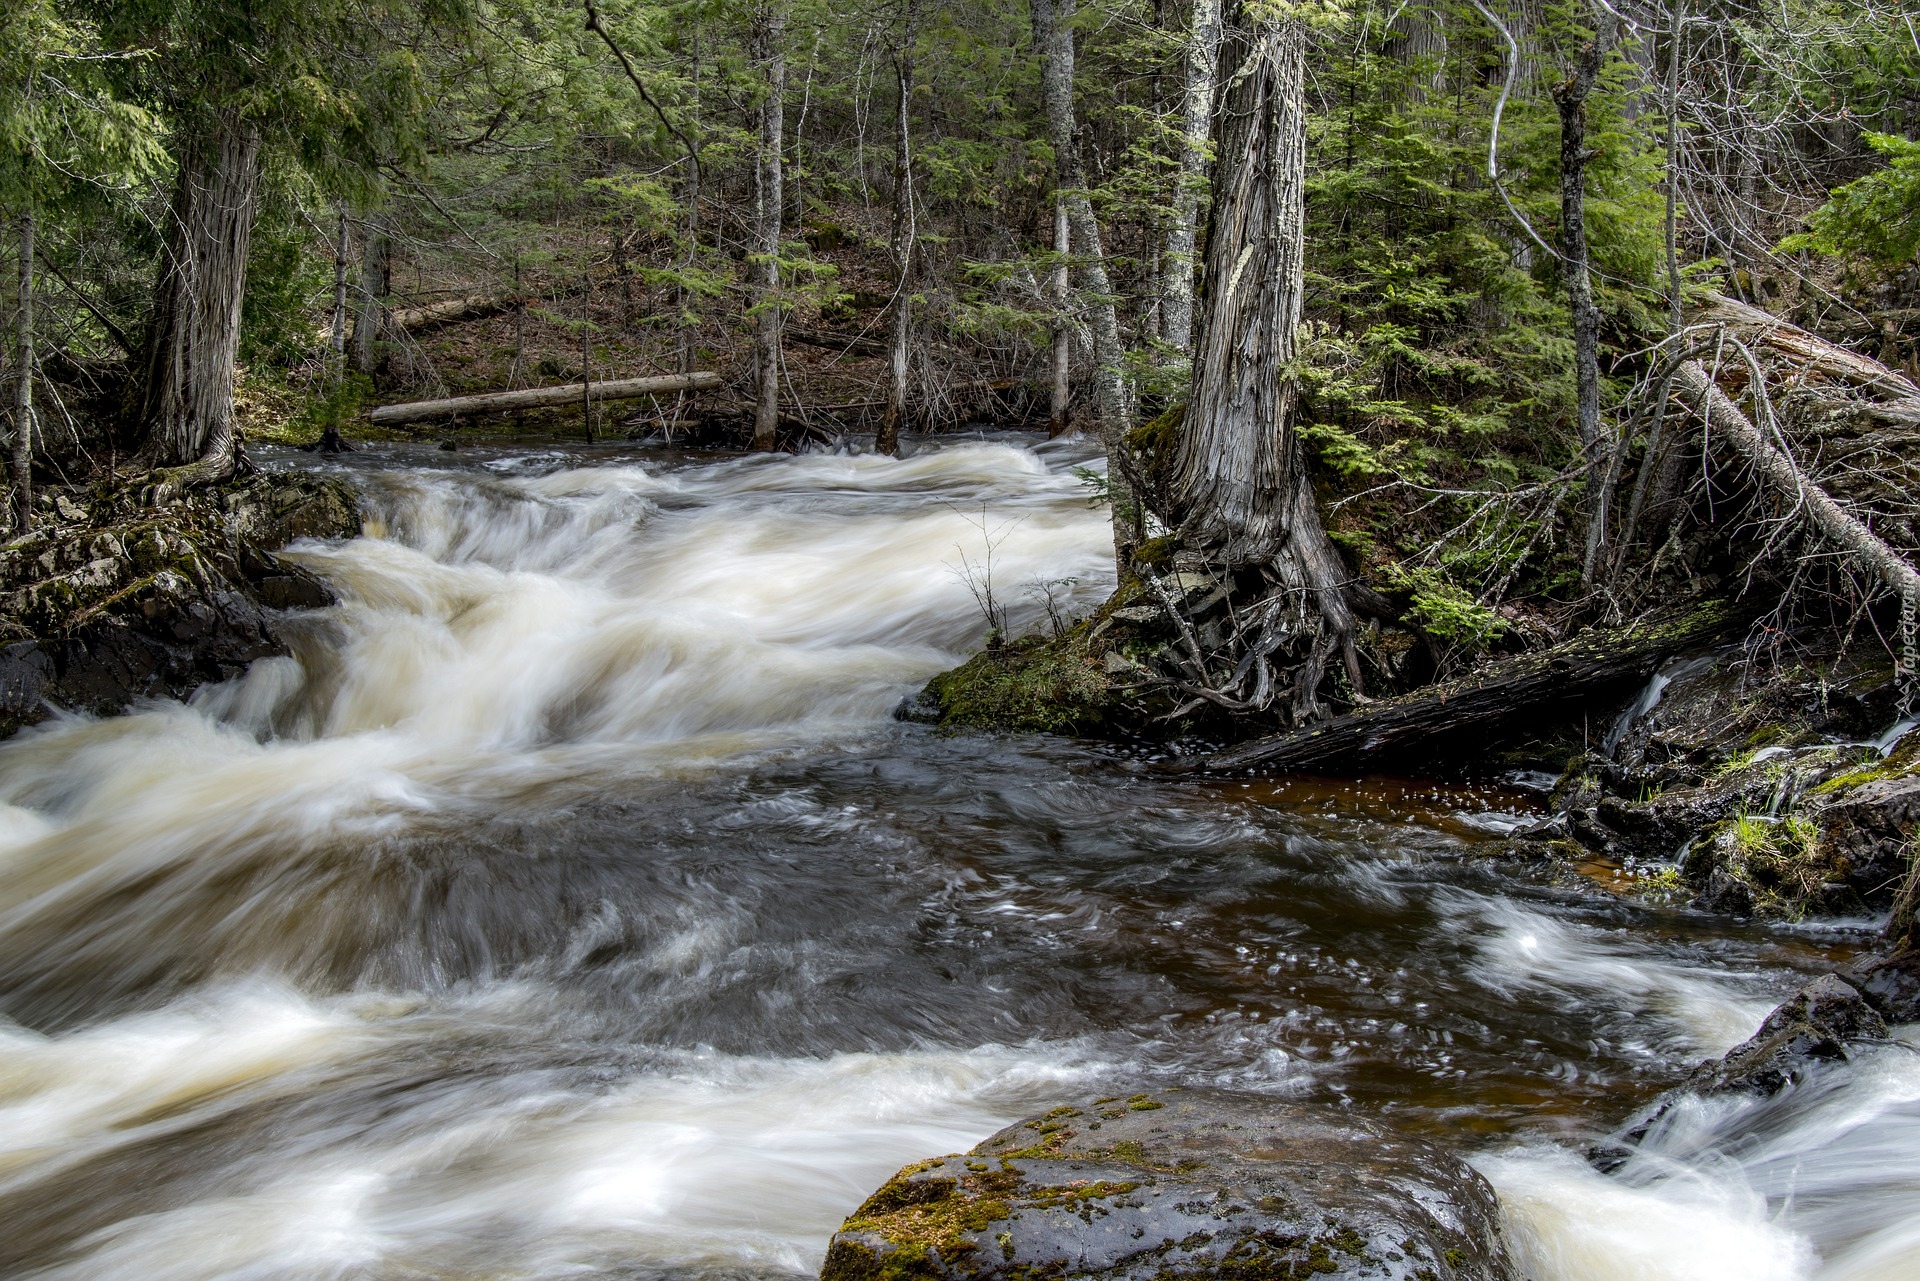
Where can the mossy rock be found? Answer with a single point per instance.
(1053, 685)
(1179, 1184)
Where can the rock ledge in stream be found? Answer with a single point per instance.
(1180, 1184)
(107, 601)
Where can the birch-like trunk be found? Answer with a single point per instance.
(1061, 338)
(23, 387)
(1178, 266)
(904, 230)
(1113, 402)
(1576, 263)
(185, 409)
(1239, 490)
(769, 30)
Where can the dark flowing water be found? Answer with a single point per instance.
(571, 906)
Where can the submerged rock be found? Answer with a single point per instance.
(110, 601)
(1185, 1184)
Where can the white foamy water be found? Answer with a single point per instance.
(1817, 1184)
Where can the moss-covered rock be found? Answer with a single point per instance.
(1180, 1184)
(1052, 685)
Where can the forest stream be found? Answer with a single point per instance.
(572, 905)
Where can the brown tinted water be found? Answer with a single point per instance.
(571, 905)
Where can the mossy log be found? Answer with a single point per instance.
(1495, 701)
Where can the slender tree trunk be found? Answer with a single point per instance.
(1576, 262)
(1676, 34)
(185, 408)
(1240, 493)
(1113, 401)
(1178, 265)
(904, 231)
(23, 388)
(586, 357)
(374, 320)
(1061, 339)
(337, 337)
(769, 32)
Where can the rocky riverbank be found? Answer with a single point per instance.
(109, 600)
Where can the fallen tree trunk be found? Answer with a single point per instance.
(1781, 474)
(428, 316)
(507, 402)
(1760, 328)
(1495, 701)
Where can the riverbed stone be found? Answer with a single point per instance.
(1179, 1184)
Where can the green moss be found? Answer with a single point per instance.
(1045, 686)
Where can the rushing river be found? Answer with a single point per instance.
(572, 906)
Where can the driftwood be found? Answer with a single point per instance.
(1759, 328)
(1496, 700)
(507, 402)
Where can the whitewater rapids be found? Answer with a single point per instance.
(568, 904)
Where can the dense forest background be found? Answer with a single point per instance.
(267, 217)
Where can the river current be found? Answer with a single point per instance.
(571, 905)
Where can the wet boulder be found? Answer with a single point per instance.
(107, 601)
(1818, 1024)
(1179, 1184)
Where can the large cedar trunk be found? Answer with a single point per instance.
(769, 32)
(184, 413)
(1239, 493)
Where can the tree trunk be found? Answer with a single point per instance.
(337, 336)
(1239, 492)
(1178, 265)
(23, 388)
(1570, 95)
(374, 320)
(1053, 36)
(185, 409)
(768, 32)
(887, 441)
(1061, 339)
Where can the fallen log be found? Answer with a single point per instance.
(1782, 475)
(478, 307)
(1761, 328)
(507, 402)
(1495, 701)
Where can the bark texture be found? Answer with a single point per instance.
(185, 408)
(1060, 354)
(770, 24)
(1239, 493)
